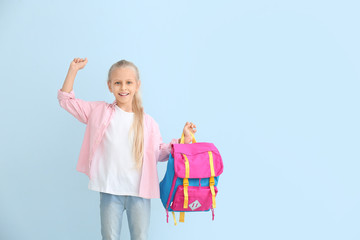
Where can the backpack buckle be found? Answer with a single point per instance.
(211, 181)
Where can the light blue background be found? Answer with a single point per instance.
(274, 84)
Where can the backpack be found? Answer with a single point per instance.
(191, 178)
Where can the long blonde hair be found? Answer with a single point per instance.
(137, 127)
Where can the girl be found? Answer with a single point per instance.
(120, 149)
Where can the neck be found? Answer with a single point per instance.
(125, 107)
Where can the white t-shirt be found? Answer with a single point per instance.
(113, 167)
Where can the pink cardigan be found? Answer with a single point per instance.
(96, 115)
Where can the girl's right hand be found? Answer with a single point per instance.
(78, 63)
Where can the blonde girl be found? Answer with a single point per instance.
(121, 147)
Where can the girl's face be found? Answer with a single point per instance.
(123, 85)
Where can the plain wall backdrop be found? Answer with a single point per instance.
(273, 84)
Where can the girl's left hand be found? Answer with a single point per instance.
(189, 127)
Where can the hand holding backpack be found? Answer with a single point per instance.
(190, 181)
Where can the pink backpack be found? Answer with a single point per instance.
(190, 181)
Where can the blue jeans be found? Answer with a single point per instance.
(111, 213)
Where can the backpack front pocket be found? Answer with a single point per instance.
(200, 199)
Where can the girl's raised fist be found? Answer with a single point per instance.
(78, 63)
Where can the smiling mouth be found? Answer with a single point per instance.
(123, 94)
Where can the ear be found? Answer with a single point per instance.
(138, 85)
(109, 85)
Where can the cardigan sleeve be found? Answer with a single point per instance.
(79, 108)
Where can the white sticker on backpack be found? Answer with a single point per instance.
(194, 205)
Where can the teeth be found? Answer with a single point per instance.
(123, 94)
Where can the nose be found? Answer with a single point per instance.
(122, 87)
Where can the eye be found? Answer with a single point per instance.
(117, 82)
(128, 82)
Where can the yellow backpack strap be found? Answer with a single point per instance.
(186, 182)
(182, 139)
(182, 217)
(212, 180)
(187, 171)
(175, 223)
